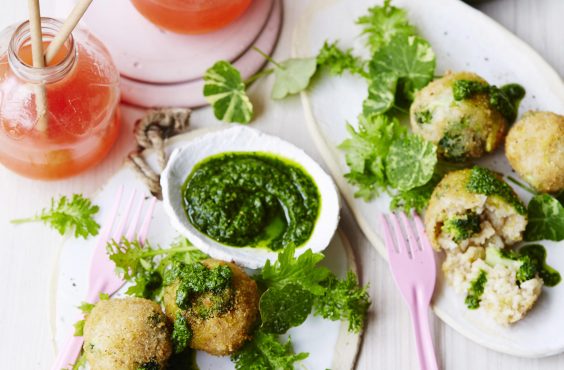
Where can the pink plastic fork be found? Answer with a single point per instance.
(412, 262)
(103, 278)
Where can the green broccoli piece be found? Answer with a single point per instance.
(462, 227)
(484, 181)
(424, 116)
(529, 262)
(476, 290)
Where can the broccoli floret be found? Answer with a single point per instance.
(424, 116)
(529, 262)
(462, 227)
(476, 290)
(484, 181)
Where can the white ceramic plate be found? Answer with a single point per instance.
(463, 39)
(316, 336)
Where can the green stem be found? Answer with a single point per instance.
(522, 186)
(256, 76)
(24, 220)
(267, 57)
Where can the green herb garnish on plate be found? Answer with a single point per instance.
(74, 216)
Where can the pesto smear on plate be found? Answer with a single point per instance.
(252, 199)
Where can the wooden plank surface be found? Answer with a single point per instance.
(27, 252)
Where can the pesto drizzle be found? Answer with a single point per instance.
(252, 199)
(504, 99)
(484, 181)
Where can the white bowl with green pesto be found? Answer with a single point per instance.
(241, 195)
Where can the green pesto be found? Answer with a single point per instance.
(462, 227)
(484, 181)
(537, 256)
(476, 290)
(195, 279)
(181, 334)
(424, 116)
(185, 360)
(504, 99)
(150, 365)
(252, 199)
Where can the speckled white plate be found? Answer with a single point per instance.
(328, 343)
(463, 39)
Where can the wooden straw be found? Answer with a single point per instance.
(66, 29)
(38, 62)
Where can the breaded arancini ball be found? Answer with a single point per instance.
(535, 149)
(462, 129)
(459, 217)
(127, 334)
(224, 332)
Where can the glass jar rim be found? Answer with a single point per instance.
(49, 74)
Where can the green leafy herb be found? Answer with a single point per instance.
(344, 300)
(410, 162)
(86, 308)
(224, 89)
(74, 215)
(181, 334)
(339, 61)
(282, 308)
(410, 59)
(484, 181)
(265, 352)
(382, 23)
(416, 198)
(476, 290)
(303, 270)
(292, 76)
(145, 266)
(366, 152)
(546, 219)
(297, 284)
(381, 94)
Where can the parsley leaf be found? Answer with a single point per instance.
(224, 89)
(144, 266)
(410, 59)
(292, 76)
(546, 219)
(74, 215)
(366, 152)
(410, 162)
(339, 61)
(282, 308)
(382, 23)
(296, 285)
(344, 299)
(302, 270)
(265, 352)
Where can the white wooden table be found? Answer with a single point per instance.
(27, 253)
